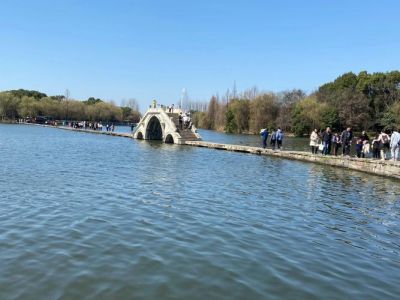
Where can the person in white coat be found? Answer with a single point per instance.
(314, 138)
(395, 144)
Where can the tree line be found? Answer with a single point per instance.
(362, 101)
(23, 104)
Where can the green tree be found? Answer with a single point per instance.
(329, 117)
(240, 110)
(264, 111)
(307, 115)
(21, 93)
(92, 100)
(230, 123)
(212, 113)
(9, 105)
(200, 119)
(126, 112)
(391, 117)
(29, 107)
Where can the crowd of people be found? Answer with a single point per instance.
(92, 125)
(171, 108)
(377, 147)
(328, 143)
(185, 121)
(275, 139)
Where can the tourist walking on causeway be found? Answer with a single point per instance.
(395, 144)
(180, 120)
(385, 141)
(376, 147)
(279, 138)
(347, 136)
(273, 139)
(359, 146)
(326, 141)
(314, 141)
(264, 136)
(336, 143)
(365, 148)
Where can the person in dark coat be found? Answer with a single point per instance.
(376, 147)
(347, 136)
(326, 141)
(359, 146)
(336, 143)
(273, 139)
(180, 119)
(264, 135)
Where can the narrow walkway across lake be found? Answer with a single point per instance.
(378, 167)
(113, 133)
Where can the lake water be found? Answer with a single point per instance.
(87, 216)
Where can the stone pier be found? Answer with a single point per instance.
(368, 165)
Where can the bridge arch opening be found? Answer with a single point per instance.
(169, 139)
(154, 130)
(140, 135)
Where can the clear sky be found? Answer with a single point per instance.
(147, 49)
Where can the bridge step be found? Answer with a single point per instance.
(186, 134)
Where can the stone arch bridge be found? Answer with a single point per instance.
(159, 124)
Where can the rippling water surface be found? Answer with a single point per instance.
(97, 217)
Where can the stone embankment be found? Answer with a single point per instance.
(368, 165)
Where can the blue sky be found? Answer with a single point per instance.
(152, 49)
